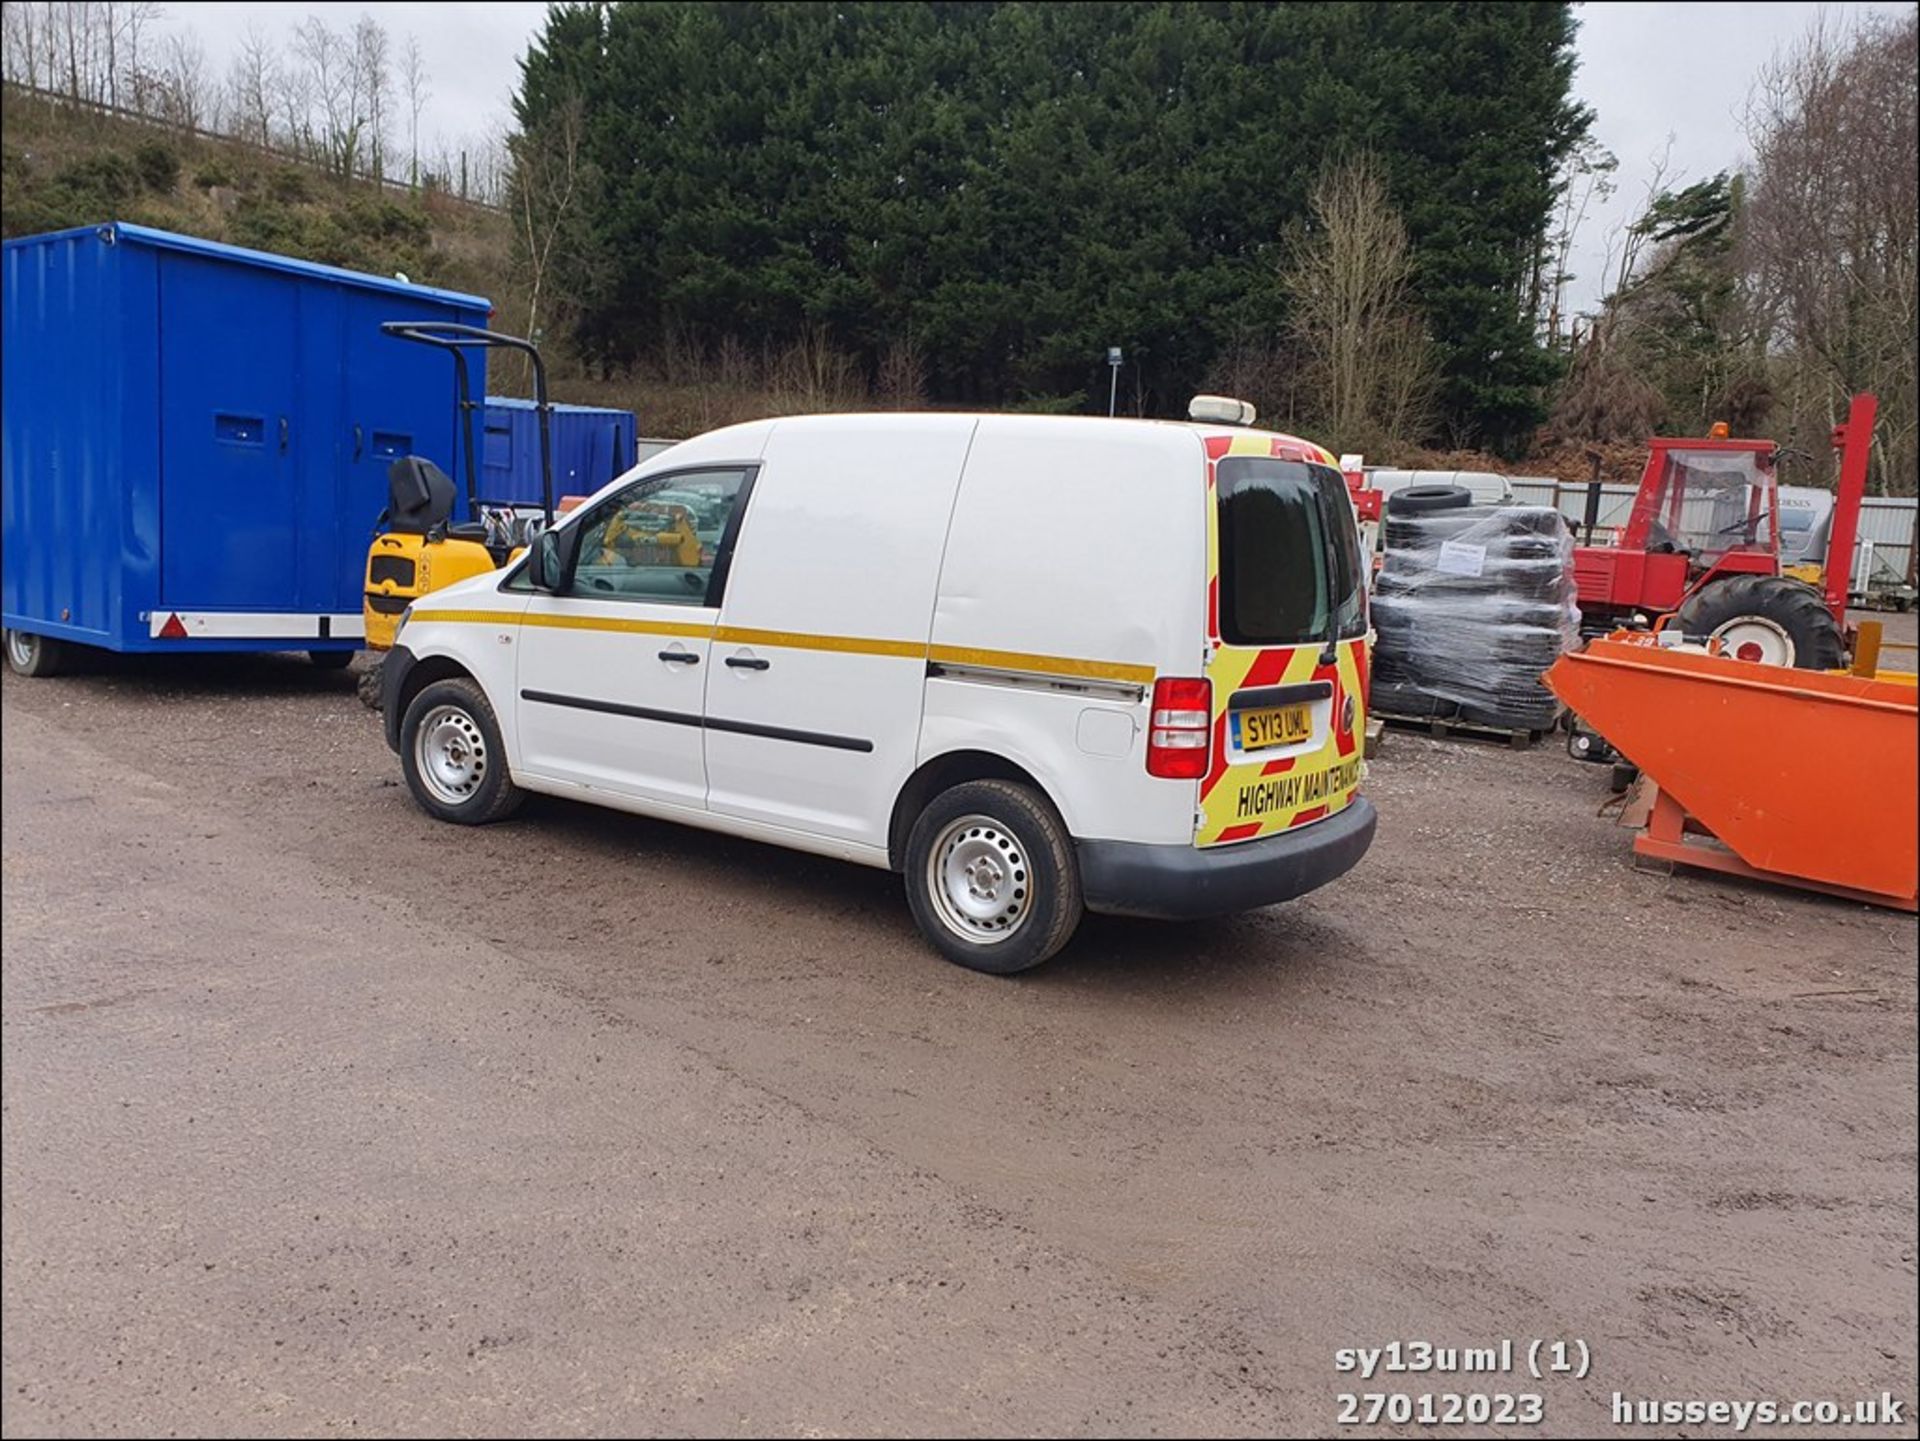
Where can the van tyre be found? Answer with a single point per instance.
(1769, 619)
(992, 878)
(34, 655)
(455, 763)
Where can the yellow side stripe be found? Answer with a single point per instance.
(569, 622)
(797, 640)
(1050, 664)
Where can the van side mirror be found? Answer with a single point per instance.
(550, 560)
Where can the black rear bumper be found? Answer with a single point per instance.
(1180, 883)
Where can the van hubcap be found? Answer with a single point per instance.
(978, 878)
(450, 753)
(20, 649)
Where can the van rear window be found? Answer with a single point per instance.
(1289, 558)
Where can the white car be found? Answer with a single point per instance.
(1036, 664)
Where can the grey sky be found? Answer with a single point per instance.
(1648, 70)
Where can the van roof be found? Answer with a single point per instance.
(1204, 430)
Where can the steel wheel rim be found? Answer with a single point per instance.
(19, 649)
(1742, 637)
(979, 880)
(450, 753)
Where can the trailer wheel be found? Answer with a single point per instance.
(455, 763)
(1769, 619)
(330, 659)
(992, 878)
(34, 655)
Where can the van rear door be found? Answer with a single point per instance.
(1288, 622)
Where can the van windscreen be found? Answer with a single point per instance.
(1289, 558)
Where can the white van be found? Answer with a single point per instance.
(1037, 664)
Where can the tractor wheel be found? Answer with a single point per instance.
(1769, 619)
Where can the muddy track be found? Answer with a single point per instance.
(319, 1113)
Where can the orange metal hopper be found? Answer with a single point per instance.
(1806, 777)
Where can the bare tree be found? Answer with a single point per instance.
(77, 33)
(372, 82)
(136, 18)
(293, 105)
(252, 83)
(546, 188)
(327, 62)
(189, 98)
(1586, 180)
(1829, 242)
(19, 44)
(419, 89)
(1370, 364)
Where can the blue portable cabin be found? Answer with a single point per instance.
(591, 445)
(196, 438)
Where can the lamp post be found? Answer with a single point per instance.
(1113, 384)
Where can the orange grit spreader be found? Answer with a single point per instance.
(1797, 776)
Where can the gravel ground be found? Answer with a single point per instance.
(319, 1116)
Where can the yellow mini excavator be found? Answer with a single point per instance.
(418, 547)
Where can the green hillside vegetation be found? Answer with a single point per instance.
(61, 168)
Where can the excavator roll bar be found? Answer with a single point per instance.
(457, 340)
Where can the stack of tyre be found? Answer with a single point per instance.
(1471, 604)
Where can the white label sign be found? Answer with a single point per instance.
(1459, 558)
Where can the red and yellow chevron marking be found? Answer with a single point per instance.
(1255, 798)
(1252, 798)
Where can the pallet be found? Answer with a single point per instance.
(1452, 728)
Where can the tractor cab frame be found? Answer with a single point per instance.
(1705, 509)
(1702, 543)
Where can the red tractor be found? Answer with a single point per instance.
(1704, 542)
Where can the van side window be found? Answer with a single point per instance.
(657, 539)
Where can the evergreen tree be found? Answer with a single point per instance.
(1017, 186)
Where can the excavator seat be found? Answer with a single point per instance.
(420, 501)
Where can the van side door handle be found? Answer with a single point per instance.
(749, 662)
(679, 657)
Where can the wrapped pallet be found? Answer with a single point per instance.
(1471, 604)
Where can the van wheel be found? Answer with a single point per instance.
(992, 878)
(451, 752)
(34, 655)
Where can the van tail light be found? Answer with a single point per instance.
(1180, 729)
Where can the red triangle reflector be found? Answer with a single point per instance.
(173, 630)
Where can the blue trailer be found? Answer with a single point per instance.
(196, 441)
(591, 445)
